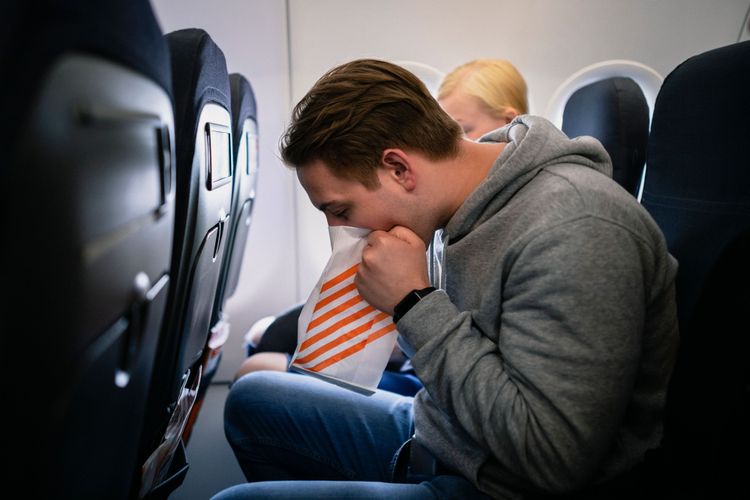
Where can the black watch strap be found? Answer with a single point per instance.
(410, 301)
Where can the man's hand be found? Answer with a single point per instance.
(393, 264)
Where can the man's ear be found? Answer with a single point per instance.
(398, 165)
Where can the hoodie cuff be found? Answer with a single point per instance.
(427, 319)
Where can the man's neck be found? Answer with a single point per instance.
(469, 169)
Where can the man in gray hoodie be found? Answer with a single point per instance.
(545, 349)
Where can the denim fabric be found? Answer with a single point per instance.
(400, 383)
(318, 440)
(441, 487)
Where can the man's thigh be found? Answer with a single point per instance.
(440, 487)
(309, 429)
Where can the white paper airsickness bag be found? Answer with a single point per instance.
(340, 337)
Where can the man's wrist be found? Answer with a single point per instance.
(409, 301)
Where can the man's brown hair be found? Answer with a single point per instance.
(357, 110)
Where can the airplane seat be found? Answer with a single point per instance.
(613, 110)
(87, 198)
(203, 182)
(244, 180)
(613, 102)
(698, 191)
(245, 146)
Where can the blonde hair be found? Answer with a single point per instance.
(495, 82)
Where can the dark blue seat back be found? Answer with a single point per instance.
(615, 111)
(203, 195)
(698, 190)
(87, 193)
(32, 43)
(244, 178)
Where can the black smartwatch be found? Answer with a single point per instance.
(409, 301)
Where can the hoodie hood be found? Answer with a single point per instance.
(533, 143)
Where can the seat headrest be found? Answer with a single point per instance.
(698, 176)
(698, 145)
(199, 74)
(613, 110)
(126, 33)
(243, 107)
(647, 78)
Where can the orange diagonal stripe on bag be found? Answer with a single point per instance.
(342, 338)
(336, 326)
(353, 349)
(335, 295)
(338, 279)
(334, 311)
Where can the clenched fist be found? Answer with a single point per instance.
(393, 264)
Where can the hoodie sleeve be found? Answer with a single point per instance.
(545, 398)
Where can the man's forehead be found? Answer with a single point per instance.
(315, 174)
(319, 179)
(319, 183)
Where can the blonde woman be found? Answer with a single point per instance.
(483, 95)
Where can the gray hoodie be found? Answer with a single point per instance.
(546, 358)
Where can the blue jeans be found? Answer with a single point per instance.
(298, 437)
